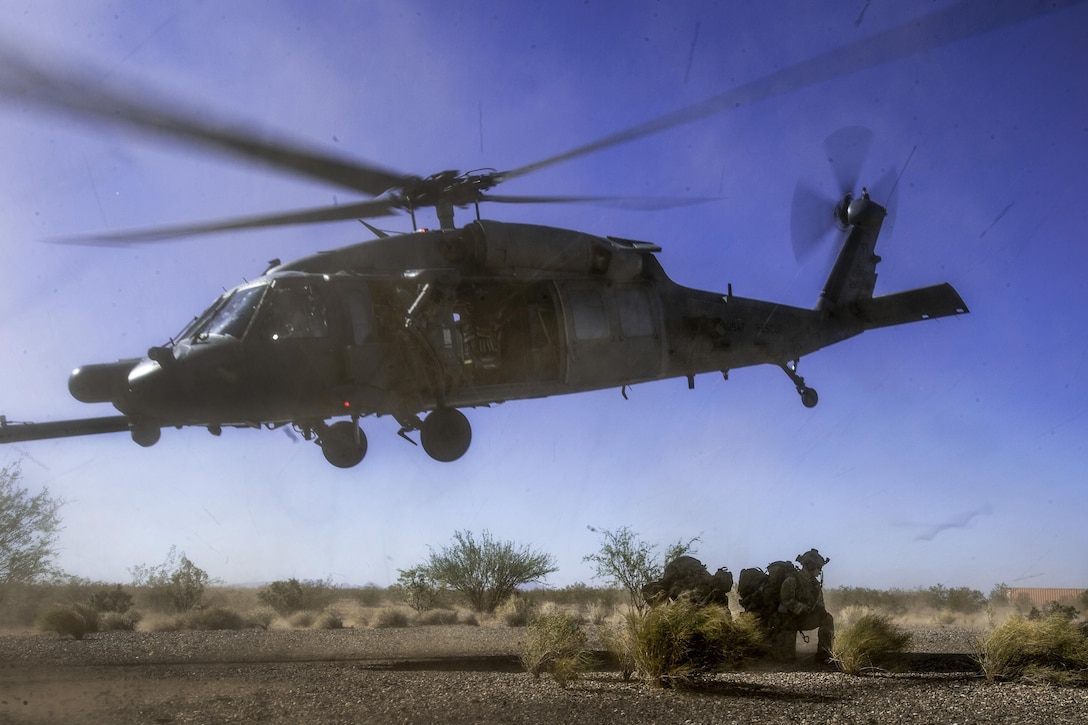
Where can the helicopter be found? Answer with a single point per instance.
(423, 325)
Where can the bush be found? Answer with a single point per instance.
(389, 617)
(418, 589)
(555, 643)
(435, 617)
(213, 618)
(76, 621)
(288, 597)
(302, 620)
(176, 584)
(109, 599)
(678, 642)
(262, 617)
(1052, 650)
(119, 621)
(486, 571)
(867, 642)
(329, 619)
(515, 611)
(628, 562)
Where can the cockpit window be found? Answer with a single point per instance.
(233, 315)
(292, 311)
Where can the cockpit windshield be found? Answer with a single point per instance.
(229, 316)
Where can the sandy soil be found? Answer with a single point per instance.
(461, 674)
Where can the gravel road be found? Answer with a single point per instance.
(461, 674)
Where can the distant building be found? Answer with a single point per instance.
(1041, 596)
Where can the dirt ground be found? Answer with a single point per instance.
(462, 674)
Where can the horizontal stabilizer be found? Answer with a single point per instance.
(940, 300)
(18, 432)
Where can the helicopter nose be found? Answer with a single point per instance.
(101, 382)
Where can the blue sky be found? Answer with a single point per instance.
(952, 451)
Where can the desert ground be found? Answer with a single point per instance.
(472, 674)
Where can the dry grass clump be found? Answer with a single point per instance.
(870, 640)
(76, 620)
(435, 617)
(679, 643)
(555, 643)
(329, 619)
(1052, 650)
(390, 617)
(515, 611)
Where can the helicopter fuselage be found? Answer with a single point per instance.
(435, 321)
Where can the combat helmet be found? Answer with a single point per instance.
(813, 558)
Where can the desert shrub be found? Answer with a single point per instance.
(369, 595)
(75, 620)
(468, 618)
(678, 642)
(867, 642)
(486, 571)
(891, 601)
(515, 611)
(177, 584)
(435, 617)
(329, 619)
(1054, 609)
(555, 643)
(213, 618)
(628, 562)
(119, 621)
(1053, 650)
(302, 620)
(598, 612)
(292, 595)
(262, 617)
(111, 599)
(620, 645)
(389, 617)
(418, 589)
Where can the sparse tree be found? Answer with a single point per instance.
(177, 583)
(626, 561)
(486, 571)
(28, 531)
(416, 587)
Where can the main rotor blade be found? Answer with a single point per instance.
(649, 203)
(361, 210)
(76, 92)
(965, 19)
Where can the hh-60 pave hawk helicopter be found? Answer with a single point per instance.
(420, 325)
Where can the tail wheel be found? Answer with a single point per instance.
(344, 444)
(446, 434)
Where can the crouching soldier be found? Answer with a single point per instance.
(801, 608)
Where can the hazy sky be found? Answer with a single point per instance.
(951, 451)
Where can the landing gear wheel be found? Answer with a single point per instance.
(344, 444)
(445, 434)
(145, 435)
(809, 398)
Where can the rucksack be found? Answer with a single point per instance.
(760, 591)
(750, 588)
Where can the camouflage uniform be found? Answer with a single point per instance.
(801, 608)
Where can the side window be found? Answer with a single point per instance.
(590, 318)
(292, 312)
(636, 315)
(361, 312)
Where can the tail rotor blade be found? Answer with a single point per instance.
(846, 151)
(811, 219)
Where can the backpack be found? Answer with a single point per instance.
(750, 588)
(759, 591)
